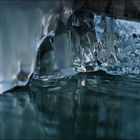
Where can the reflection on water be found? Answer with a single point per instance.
(86, 106)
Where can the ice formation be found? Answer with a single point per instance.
(19, 34)
(91, 42)
(22, 27)
(57, 42)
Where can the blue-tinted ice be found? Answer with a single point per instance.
(72, 44)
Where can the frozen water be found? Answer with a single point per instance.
(92, 42)
(23, 26)
(20, 31)
(66, 43)
(120, 42)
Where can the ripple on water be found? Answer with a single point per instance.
(87, 105)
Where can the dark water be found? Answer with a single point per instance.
(86, 106)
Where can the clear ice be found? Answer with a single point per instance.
(91, 42)
(52, 44)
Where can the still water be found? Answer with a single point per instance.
(85, 106)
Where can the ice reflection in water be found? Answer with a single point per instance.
(87, 106)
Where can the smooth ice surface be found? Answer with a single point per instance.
(20, 31)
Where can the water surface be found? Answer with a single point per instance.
(85, 106)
